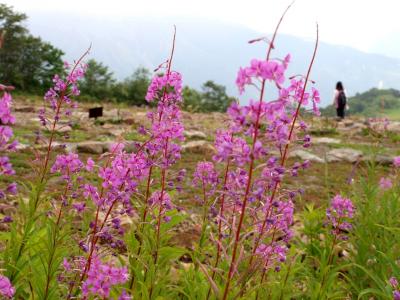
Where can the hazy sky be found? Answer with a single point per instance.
(361, 24)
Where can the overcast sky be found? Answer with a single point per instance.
(362, 24)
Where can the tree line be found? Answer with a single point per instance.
(29, 63)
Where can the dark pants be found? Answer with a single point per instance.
(340, 112)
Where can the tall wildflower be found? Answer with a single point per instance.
(102, 277)
(339, 214)
(60, 103)
(255, 148)
(6, 144)
(396, 288)
(6, 289)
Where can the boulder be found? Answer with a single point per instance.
(63, 128)
(25, 109)
(91, 147)
(305, 155)
(381, 159)
(344, 154)
(112, 114)
(195, 134)
(198, 147)
(325, 140)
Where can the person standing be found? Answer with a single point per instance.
(340, 100)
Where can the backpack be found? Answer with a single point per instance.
(342, 99)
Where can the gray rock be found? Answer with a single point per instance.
(21, 147)
(394, 126)
(198, 147)
(305, 155)
(344, 154)
(91, 147)
(63, 128)
(113, 113)
(381, 159)
(194, 134)
(25, 109)
(325, 140)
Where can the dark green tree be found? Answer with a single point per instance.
(25, 61)
(191, 99)
(134, 88)
(98, 81)
(214, 97)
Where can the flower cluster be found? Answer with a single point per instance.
(206, 177)
(67, 164)
(61, 94)
(6, 289)
(264, 69)
(254, 148)
(339, 213)
(102, 277)
(395, 285)
(6, 142)
(385, 183)
(167, 87)
(396, 161)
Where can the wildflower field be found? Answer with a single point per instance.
(233, 218)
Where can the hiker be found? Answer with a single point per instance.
(340, 100)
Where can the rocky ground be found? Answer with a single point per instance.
(340, 152)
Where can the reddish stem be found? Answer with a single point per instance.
(221, 216)
(284, 156)
(246, 195)
(251, 166)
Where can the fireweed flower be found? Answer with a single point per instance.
(256, 131)
(395, 286)
(396, 161)
(59, 97)
(6, 142)
(6, 289)
(339, 214)
(102, 277)
(168, 87)
(206, 177)
(385, 184)
(67, 164)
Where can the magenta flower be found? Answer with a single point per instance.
(124, 296)
(393, 282)
(206, 176)
(5, 109)
(385, 184)
(60, 95)
(102, 277)
(67, 164)
(396, 295)
(89, 164)
(396, 161)
(167, 87)
(339, 213)
(6, 289)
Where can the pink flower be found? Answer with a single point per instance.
(385, 184)
(89, 164)
(6, 289)
(396, 161)
(393, 282)
(206, 177)
(339, 214)
(66, 165)
(102, 277)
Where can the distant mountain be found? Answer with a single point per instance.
(372, 103)
(208, 49)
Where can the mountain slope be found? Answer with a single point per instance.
(372, 103)
(208, 50)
